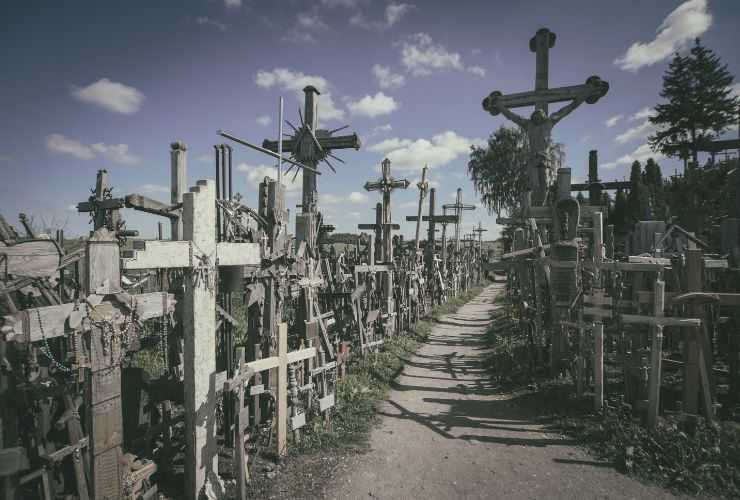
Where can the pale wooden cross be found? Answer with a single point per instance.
(200, 255)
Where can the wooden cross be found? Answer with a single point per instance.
(423, 186)
(458, 208)
(200, 255)
(540, 124)
(386, 184)
(594, 186)
(310, 145)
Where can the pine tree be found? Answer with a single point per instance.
(637, 200)
(699, 104)
(620, 214)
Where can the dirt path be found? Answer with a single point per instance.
(446, 434)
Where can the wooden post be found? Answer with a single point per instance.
(598, 366)
(598, 239)
(282, 391)
(691, 374)
(178, 182)
(199, 326)
(656, 354)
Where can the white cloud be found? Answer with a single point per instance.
(72, 208)
(233, 3)
(387, 79)
(477, 70)
(203, 20)
(257, 173)
(421, 56)
(643, 114)
(57, 143)
(310, 21)
(613, 120)
(356, 197)
(264, 120)
(117, 153)
(153, 189)
(295, 81)
(392, 15)
(640, 154)
(354, 215)
(639, 132)
(395, 11)
(372, 106)
(389, 145)
(443, 148)
(112, 96)
(688, 21)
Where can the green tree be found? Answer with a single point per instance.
(499, 169)
(699, 106)
(620, 215)
(638, 198)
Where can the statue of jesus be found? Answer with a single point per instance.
(539, 128)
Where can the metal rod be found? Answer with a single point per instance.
(231, 171)
(218, 191)
(280, 142)
(266, 151)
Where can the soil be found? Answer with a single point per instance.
(446, 432)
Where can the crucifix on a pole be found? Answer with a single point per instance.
(423, 186)
(386, 184)
(539, 125)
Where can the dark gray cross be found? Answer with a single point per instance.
(458, 208)
(310, 146)
(594, 186)
(386, 184)
(432, 219)
(480, 232)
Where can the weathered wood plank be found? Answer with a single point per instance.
(159, 254)
(238, 254)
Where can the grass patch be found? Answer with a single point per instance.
(688, 456)
(368, 379)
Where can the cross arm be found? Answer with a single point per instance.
(109, 204)
(589, 92)
(150, 206)
(33, 325)
(445, 219)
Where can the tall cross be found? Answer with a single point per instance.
(386, 184)
(310, 145)
(423, 186)
(539, 125)
(200, 255)
(458, 208)
(480, 232)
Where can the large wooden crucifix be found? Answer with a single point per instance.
(539, 125)
(310, 146)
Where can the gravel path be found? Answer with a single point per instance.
(446, 434)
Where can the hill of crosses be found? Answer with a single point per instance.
(437, 347)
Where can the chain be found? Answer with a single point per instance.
(47, 349)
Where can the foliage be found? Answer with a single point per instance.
(699, 103)
(499, 169)
(703, 460)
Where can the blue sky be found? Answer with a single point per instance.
(89, 85)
